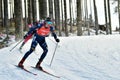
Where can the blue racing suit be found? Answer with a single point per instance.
(39, 39)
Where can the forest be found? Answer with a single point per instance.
(69, 17)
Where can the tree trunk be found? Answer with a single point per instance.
(57, 15)
(18, 19)
(96, 17)
(109, 16)
(25, 28)
(3, 13)
(0, 15)
(0, 9)
(86, 17)
(63, 29)
(71, 27)
(34, 9)
(106, 16)
(119, 14)
(79, 18)
(6, 17)
(43, 9)
(50, 9)
(65, 13)
(30, 18)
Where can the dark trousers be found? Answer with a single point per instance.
(38, 40)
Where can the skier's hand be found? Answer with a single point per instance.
(24, 36)
(57, 40)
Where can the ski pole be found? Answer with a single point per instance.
(53, 54)
(16, 44)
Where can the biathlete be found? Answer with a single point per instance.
(42, 31)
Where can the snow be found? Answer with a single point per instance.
(76, 58)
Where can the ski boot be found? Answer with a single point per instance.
(21, 63)
(38, 65)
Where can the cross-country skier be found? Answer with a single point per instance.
(42, 31)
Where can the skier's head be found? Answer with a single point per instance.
(48, 19)
(48, 22)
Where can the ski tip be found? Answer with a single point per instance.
(35, 74)
(46, 72)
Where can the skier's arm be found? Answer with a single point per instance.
(54, 35)
(33, 29)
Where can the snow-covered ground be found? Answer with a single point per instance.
(76, 58)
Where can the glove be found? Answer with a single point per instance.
(24, 36)
(57, 40)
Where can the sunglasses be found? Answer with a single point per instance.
(49, 22)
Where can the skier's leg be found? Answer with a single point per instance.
(45, 50)
(33, 45)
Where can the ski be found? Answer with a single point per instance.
(26, 70)
(46, 72)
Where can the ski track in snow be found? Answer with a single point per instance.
(76, 58)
